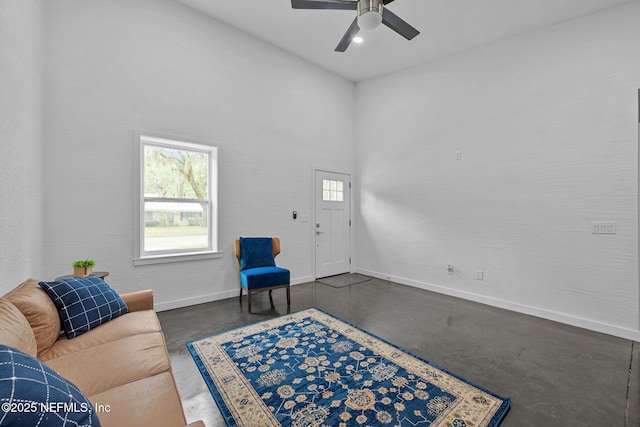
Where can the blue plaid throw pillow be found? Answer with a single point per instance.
(32, 394)
(84, 303)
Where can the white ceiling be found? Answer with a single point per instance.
(446, 26)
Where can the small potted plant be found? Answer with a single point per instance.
(83, 267)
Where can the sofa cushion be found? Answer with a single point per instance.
(264, 277)
(138, 300)
(84, 303)
(151, 401)
(15, 330)
(256, 252)
(37, 395)
(134, 323)
(103, 367)
(39, 310)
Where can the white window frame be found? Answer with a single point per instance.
(143, 138)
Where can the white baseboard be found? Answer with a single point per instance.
(217, 296)
(200, 299)
(580, 322)
(301, 280)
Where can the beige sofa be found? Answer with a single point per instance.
(121, 366)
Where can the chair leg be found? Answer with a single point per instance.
(270, 298)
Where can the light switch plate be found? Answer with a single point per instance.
(603, 227)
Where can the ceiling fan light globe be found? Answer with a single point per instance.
(369, 20)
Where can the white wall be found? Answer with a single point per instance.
(116, 66)
(21, 52)
(547, 127)
(546, 123)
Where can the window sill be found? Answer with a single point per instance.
(164, 259)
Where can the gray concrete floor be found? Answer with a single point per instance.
(555, 375)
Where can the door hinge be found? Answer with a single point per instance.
(349, 223)
(349, 260)
(349, 185)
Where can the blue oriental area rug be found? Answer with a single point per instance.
(312, 369)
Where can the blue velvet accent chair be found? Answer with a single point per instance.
(258, 271)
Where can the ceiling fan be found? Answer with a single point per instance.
(371, 13)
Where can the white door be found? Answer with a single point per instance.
(333, 223)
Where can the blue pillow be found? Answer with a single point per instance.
(256, 252)
(33, 394)
(84, 303)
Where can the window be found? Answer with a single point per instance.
(177, 199)
(332, 191)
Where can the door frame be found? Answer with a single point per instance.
(314, 195)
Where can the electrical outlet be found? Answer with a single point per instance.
(450, 269)
(479, 275)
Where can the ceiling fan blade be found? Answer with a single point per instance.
(348, 36)
(398, 25)
(324, 4)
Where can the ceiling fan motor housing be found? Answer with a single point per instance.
(369, 14)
